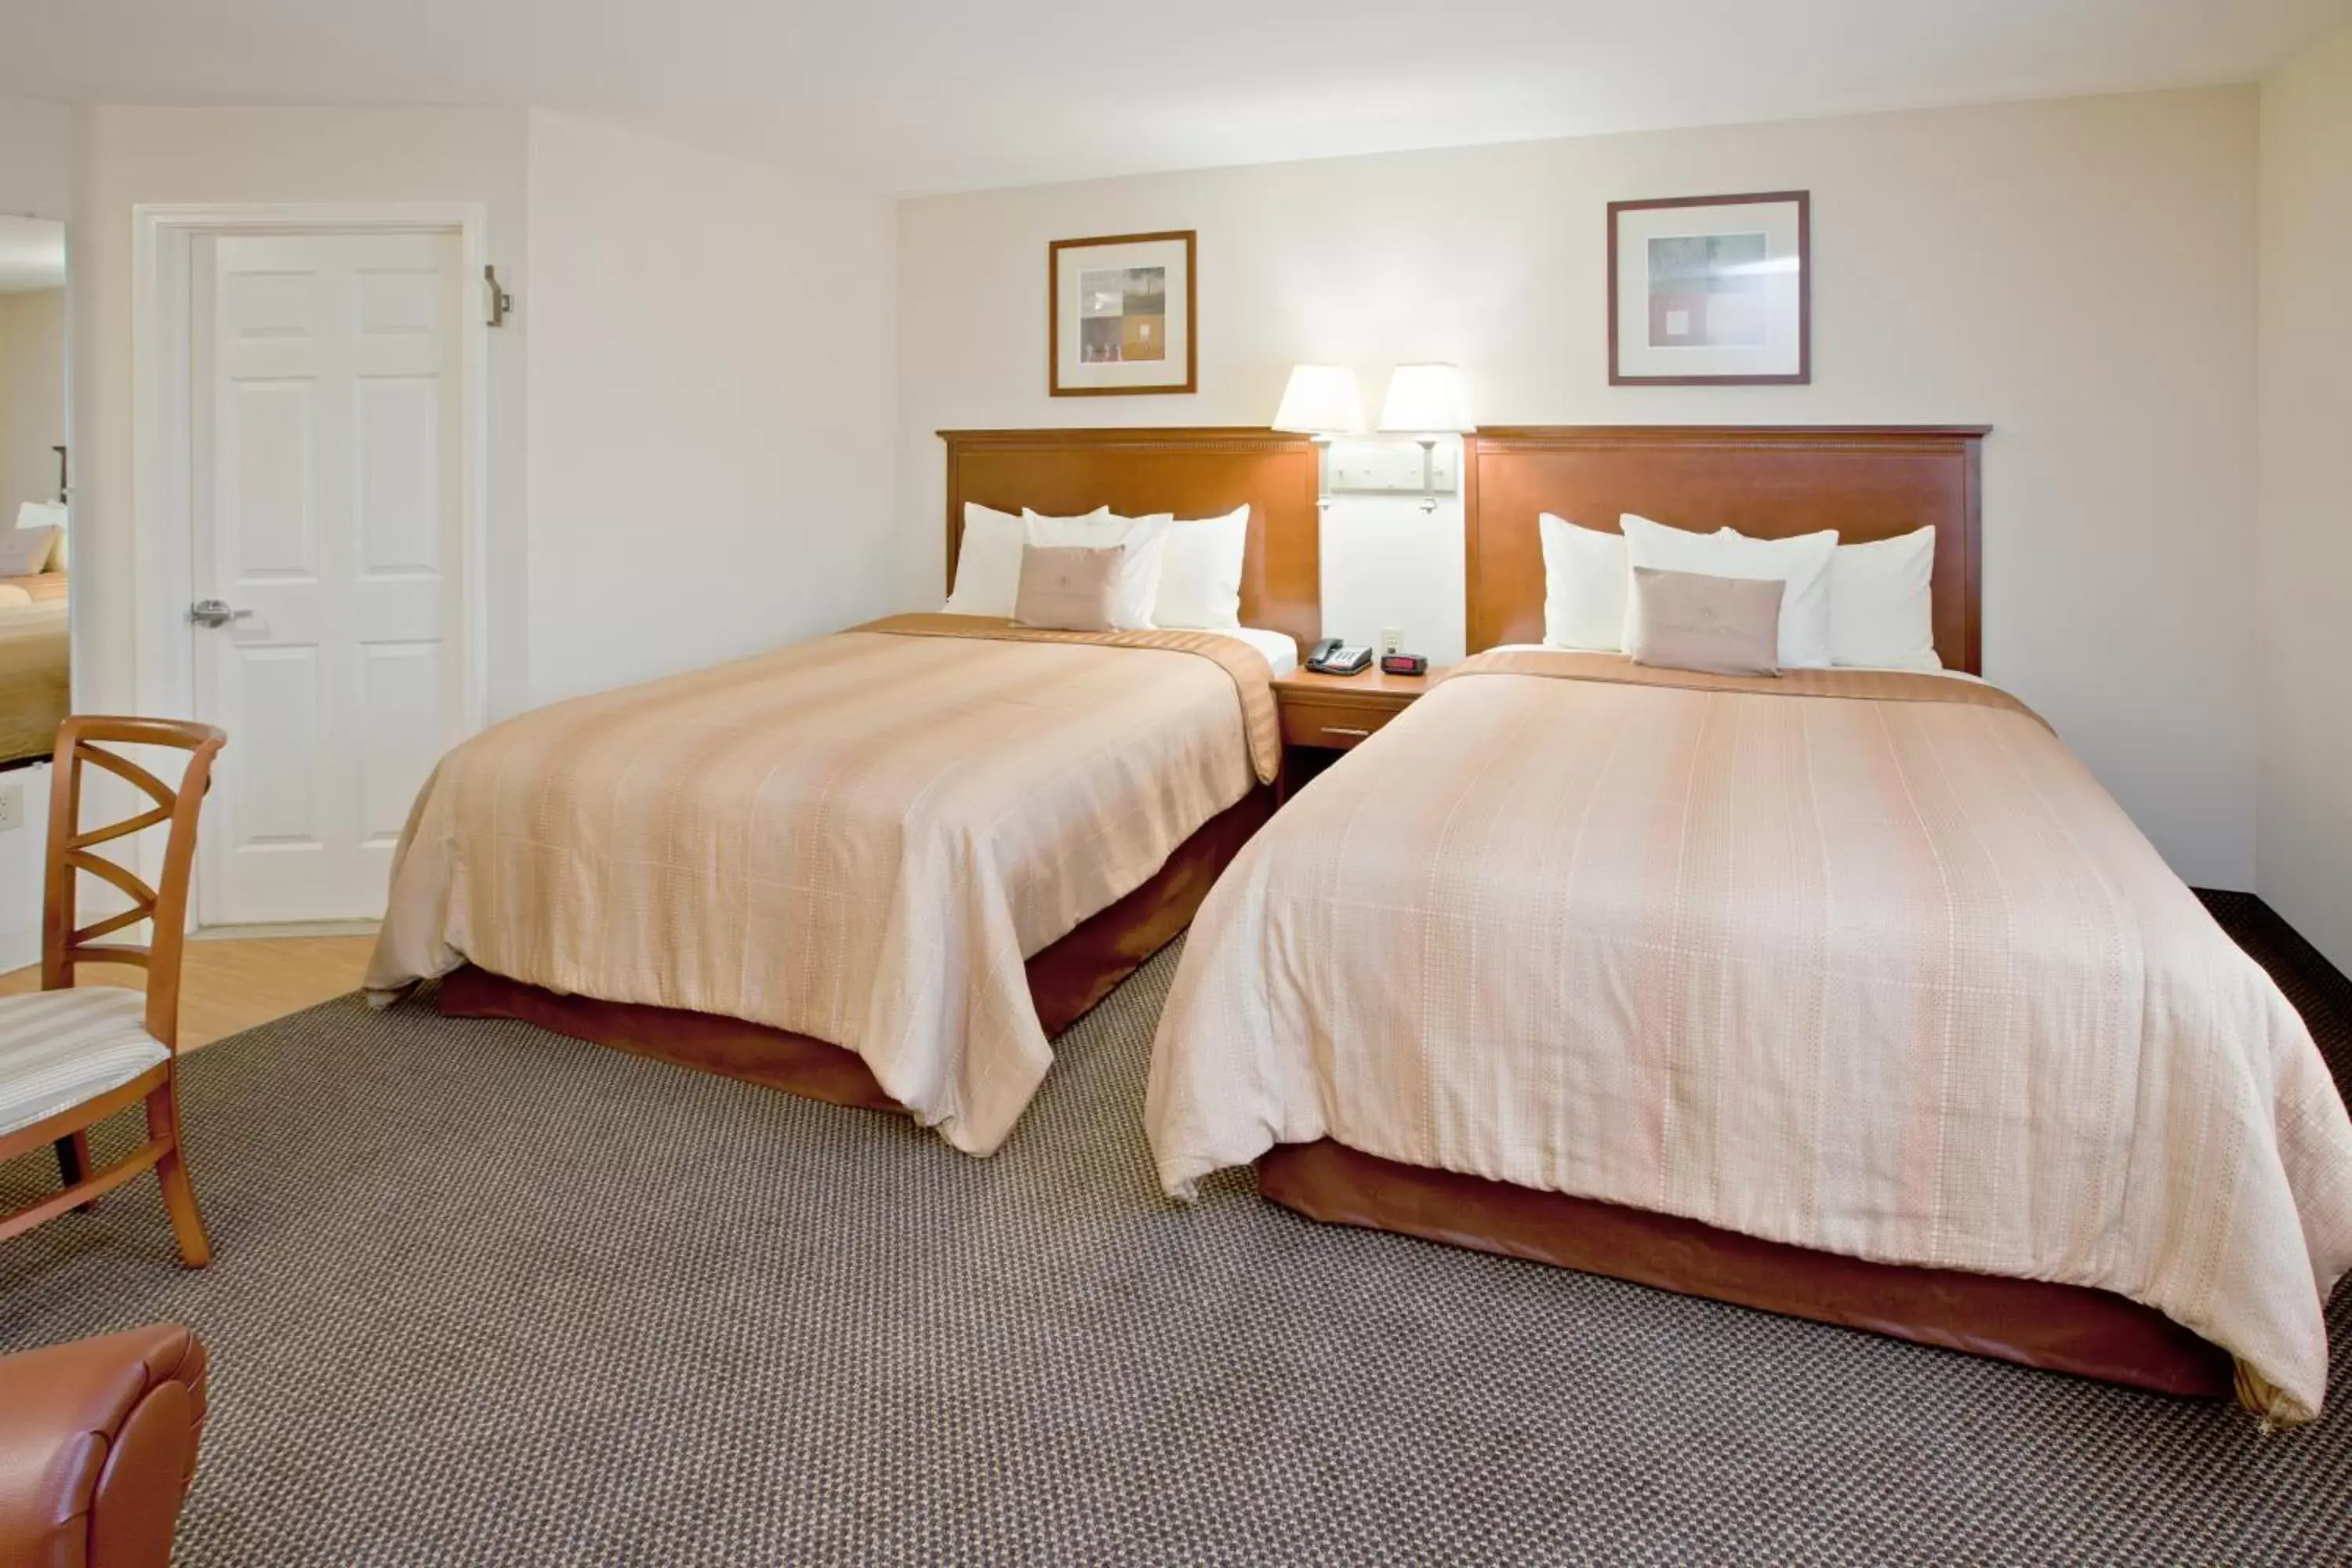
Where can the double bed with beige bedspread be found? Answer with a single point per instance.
(1865, 963)
(857, 839)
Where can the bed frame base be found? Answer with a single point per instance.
(2059, 1328)
(1066, 980)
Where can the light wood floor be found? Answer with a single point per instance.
(233, 983)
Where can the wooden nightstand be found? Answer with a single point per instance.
(1331, 713)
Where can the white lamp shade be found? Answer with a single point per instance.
(1321, 400)
(1426, 399)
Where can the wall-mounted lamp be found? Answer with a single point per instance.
(1427, 402)
(1321, 401)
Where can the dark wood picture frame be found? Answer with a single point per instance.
(1190, 383)
(1804, 372)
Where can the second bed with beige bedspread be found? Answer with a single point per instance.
(1864, 964)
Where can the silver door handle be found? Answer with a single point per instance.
(214, 612)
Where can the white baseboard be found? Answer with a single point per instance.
(285, 928)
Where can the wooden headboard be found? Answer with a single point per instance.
(1768, 481)
(1193, 473)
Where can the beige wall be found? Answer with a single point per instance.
(2079, 274)
(2305, 811)
(711, 405)
(126, 157)
(717, 377)
(32, 396)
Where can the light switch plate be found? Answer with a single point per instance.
(12, 804)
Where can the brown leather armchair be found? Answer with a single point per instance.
(97, 1445)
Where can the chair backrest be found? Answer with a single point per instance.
(64, 945)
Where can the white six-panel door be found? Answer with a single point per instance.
(326, 524)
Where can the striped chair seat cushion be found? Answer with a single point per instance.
(62, 1049)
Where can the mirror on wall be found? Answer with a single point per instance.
(34, 479)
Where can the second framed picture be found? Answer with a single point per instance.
(1120, 315)
(1711, 290)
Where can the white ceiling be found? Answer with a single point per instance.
(32, 254)
(930, 95)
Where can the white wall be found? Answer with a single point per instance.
(711, 393)
(2080, 274)
(32, 396)
(36, 159)
(2304, 813)
(129, 156)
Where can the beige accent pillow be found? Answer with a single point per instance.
(1145, 540)
(1722, 625)
(1068, 587)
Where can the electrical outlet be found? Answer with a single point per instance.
(1391, 640)
(12, 804)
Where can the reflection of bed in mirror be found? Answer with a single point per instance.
(35, 670)
(32, 649)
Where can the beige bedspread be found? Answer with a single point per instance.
(858, 839)
(1885, 974)
(39, 587)
(35, 684)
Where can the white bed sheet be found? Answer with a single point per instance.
(1280, 650)
(1546, 647)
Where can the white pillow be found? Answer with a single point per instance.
(45, 514)
(987, 562)
(1882, 609)
(1586, 584)
(1201, 572)
(26, 551)
(1803, 563)
(1145, 540)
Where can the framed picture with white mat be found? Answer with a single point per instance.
(1711, 290)
(1120, 315)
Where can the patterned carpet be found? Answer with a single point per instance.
(486, 1295)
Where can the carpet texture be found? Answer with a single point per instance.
(487, 1295)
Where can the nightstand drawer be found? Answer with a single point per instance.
(1335, 726)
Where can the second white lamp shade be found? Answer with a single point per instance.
(1321, 400)
(1426, 400)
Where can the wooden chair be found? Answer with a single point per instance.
(71, 1056)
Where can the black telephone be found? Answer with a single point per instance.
(1332, 657)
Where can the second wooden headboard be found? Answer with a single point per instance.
(1193, 473)
(1868, 483)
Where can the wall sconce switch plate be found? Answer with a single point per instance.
(1392, 465)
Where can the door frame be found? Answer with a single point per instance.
(162, 304)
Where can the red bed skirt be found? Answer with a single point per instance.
(2060, 1328)
(1065, 981)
